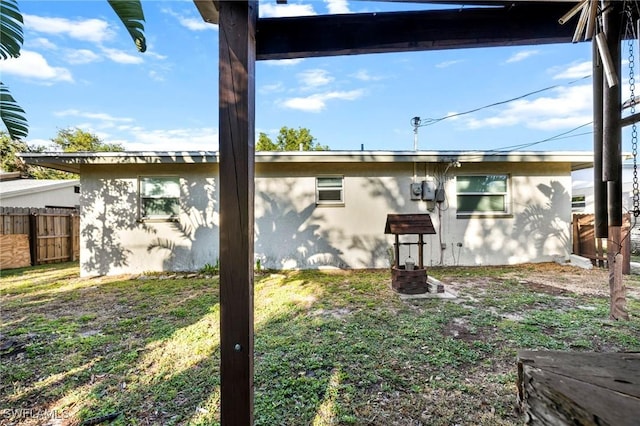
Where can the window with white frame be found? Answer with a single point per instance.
(483, 195)
(330, 190)
(159, 197)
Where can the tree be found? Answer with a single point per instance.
(77, 140)
(290, 140)
(10, 162)
(11, 40)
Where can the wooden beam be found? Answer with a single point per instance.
(632, 119)
(349, 34)
(599, 186)
(237, 130)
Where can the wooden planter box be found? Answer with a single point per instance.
(409, 282)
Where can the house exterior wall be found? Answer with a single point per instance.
(292, 231)
(113, 240)
(52, 195)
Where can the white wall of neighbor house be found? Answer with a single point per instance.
(53, 194)
(293, 231)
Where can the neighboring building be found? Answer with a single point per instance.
(39, 193)
(582, 200)
(159, 211)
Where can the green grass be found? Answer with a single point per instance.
(330, 347)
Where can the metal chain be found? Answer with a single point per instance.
(634, 131)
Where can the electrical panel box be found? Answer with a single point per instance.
(428, 190)
(416, 191)
(440, 195)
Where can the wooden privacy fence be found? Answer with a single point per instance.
(31, 236)
(586, 244)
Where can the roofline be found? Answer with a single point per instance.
(71, 162)
(51, 184)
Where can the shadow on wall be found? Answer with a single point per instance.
(286, 238)
(540, 223)
(111, 212)
(197, 231)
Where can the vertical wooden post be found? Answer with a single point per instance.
(420, 251)
(237, 58)
(33, 238)
(612, 163)
(599, 186)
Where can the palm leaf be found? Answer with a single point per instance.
(131, 14)
(11, 37)
(13, 116)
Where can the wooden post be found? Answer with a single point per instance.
(599, 186)
(617, 290)
(420, 251)
(33, 238)
(237, 57)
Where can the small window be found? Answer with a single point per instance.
(578, 203)
(159, 197)
(330, 190)
(483, 194)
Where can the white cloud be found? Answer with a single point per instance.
(33, 65)
(447, 64)
(42, 43)
(192, 23)
(122, 57)
(100, 116)
(575, 70)
(81, 56)
(271, 88)
(318, 102)
(522, 55)
(570, 107)
(315, 77)
(283, 62)
(270, 10)
(337, 6)
(191, 139)
(364, 75)
(91, 30)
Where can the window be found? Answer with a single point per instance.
(330, 190)
(578, 203)
(483, 195)
(159, 197)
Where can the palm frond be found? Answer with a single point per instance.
(11, 36)
(13, 116)
(131, 14)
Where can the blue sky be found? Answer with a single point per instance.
(79, 68)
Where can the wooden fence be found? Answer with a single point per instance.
(35, 236)
(586, 244)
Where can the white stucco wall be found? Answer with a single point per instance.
(291, 231)
(114, 241)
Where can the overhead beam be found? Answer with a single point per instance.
(351, 34)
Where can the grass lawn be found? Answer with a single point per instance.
(330, 348)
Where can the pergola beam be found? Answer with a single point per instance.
(362, 33)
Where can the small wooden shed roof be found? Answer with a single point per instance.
(400, 224)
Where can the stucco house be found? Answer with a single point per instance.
(158, 211)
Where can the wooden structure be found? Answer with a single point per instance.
(244, 39)
(577, 388)
(586, 244)
(37, 236)
(409, 280)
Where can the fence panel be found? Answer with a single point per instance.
(53, 235)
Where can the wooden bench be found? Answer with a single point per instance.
(579, 388)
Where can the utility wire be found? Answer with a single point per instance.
(432, 121)
(562, 135)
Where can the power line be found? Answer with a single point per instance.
(562, 135)
(432, 121)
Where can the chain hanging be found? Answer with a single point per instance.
(634, 130)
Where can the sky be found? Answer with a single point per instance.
(79, 68)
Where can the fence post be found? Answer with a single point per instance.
(33, 238)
